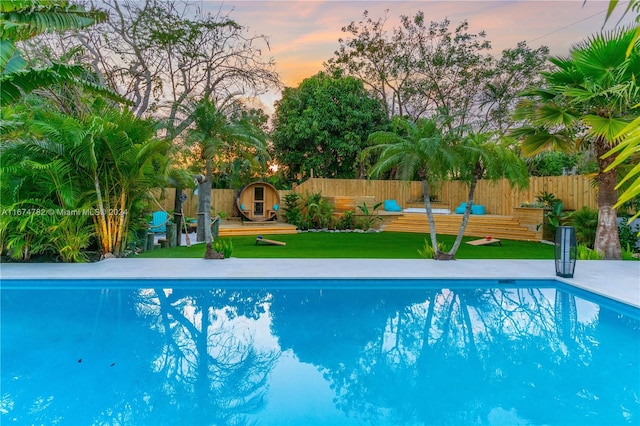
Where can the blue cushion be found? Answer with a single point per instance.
(477, 209)
(242, 207)
(276, 207)
(461, 208)
(392, 206)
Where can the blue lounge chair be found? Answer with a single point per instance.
(158, 224)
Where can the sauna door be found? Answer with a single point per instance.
(258, 201)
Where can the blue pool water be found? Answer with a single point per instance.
(316, 352)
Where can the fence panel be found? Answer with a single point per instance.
(497, 196)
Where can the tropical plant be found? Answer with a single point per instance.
(554, 216)
(347, 220)
(547, 199)
(224, 246)
(316, 211)
(586, 102)
(628, 237)
(585, 253)
(585, 220)
(369, 217)
(101, 165)
(292, 210)
(427, 250)
(220, 126)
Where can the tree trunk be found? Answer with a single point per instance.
(177, 215)
(426, 192)
(467, 211)
(209, 253)
(607, 237)
(201, 191)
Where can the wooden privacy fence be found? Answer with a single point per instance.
(497, 196)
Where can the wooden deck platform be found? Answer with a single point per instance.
(230, 228)
(501, 227)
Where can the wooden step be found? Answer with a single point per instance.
(235, 228)
(503, 227)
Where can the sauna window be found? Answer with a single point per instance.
(258, 201)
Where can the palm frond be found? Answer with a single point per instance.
(609, 128)
(23, 19)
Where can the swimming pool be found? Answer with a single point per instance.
(316, 352)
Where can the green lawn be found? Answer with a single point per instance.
(383, 245)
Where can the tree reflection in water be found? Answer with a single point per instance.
(464, 356)
(133, 357)
(208, 356)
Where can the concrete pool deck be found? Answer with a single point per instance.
(618, 280)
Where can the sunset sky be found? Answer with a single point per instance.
(304, 34)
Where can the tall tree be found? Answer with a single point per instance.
(586, 102)
(423, 150)
(321, 126)
(220, 126)
(420, 69)
(162, 55)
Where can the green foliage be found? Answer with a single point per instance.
(628, 237)
(347, 220)
(547, 199)
(369, 218)
(22, 20)
(107, 161)
(292, 209)
(223, 246)
(428, 252)
(628, 253)
(585, 253)
(554, 217)
(307, 211)
(316, 211)
(552, 163)
(321, 126)
(585, 221)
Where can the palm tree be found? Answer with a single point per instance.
(420, 149)
(588, 100)
(24, 19)
(220, 127)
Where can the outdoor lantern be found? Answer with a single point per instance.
(566, 251)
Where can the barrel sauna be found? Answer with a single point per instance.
(258, 202)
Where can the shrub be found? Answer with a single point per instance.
(292, 211)
(224, 246)
(628, 237)
(585, 221)
(427, 250)
(585, 253)
(347, 220)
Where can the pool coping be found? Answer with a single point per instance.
(617, 280)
